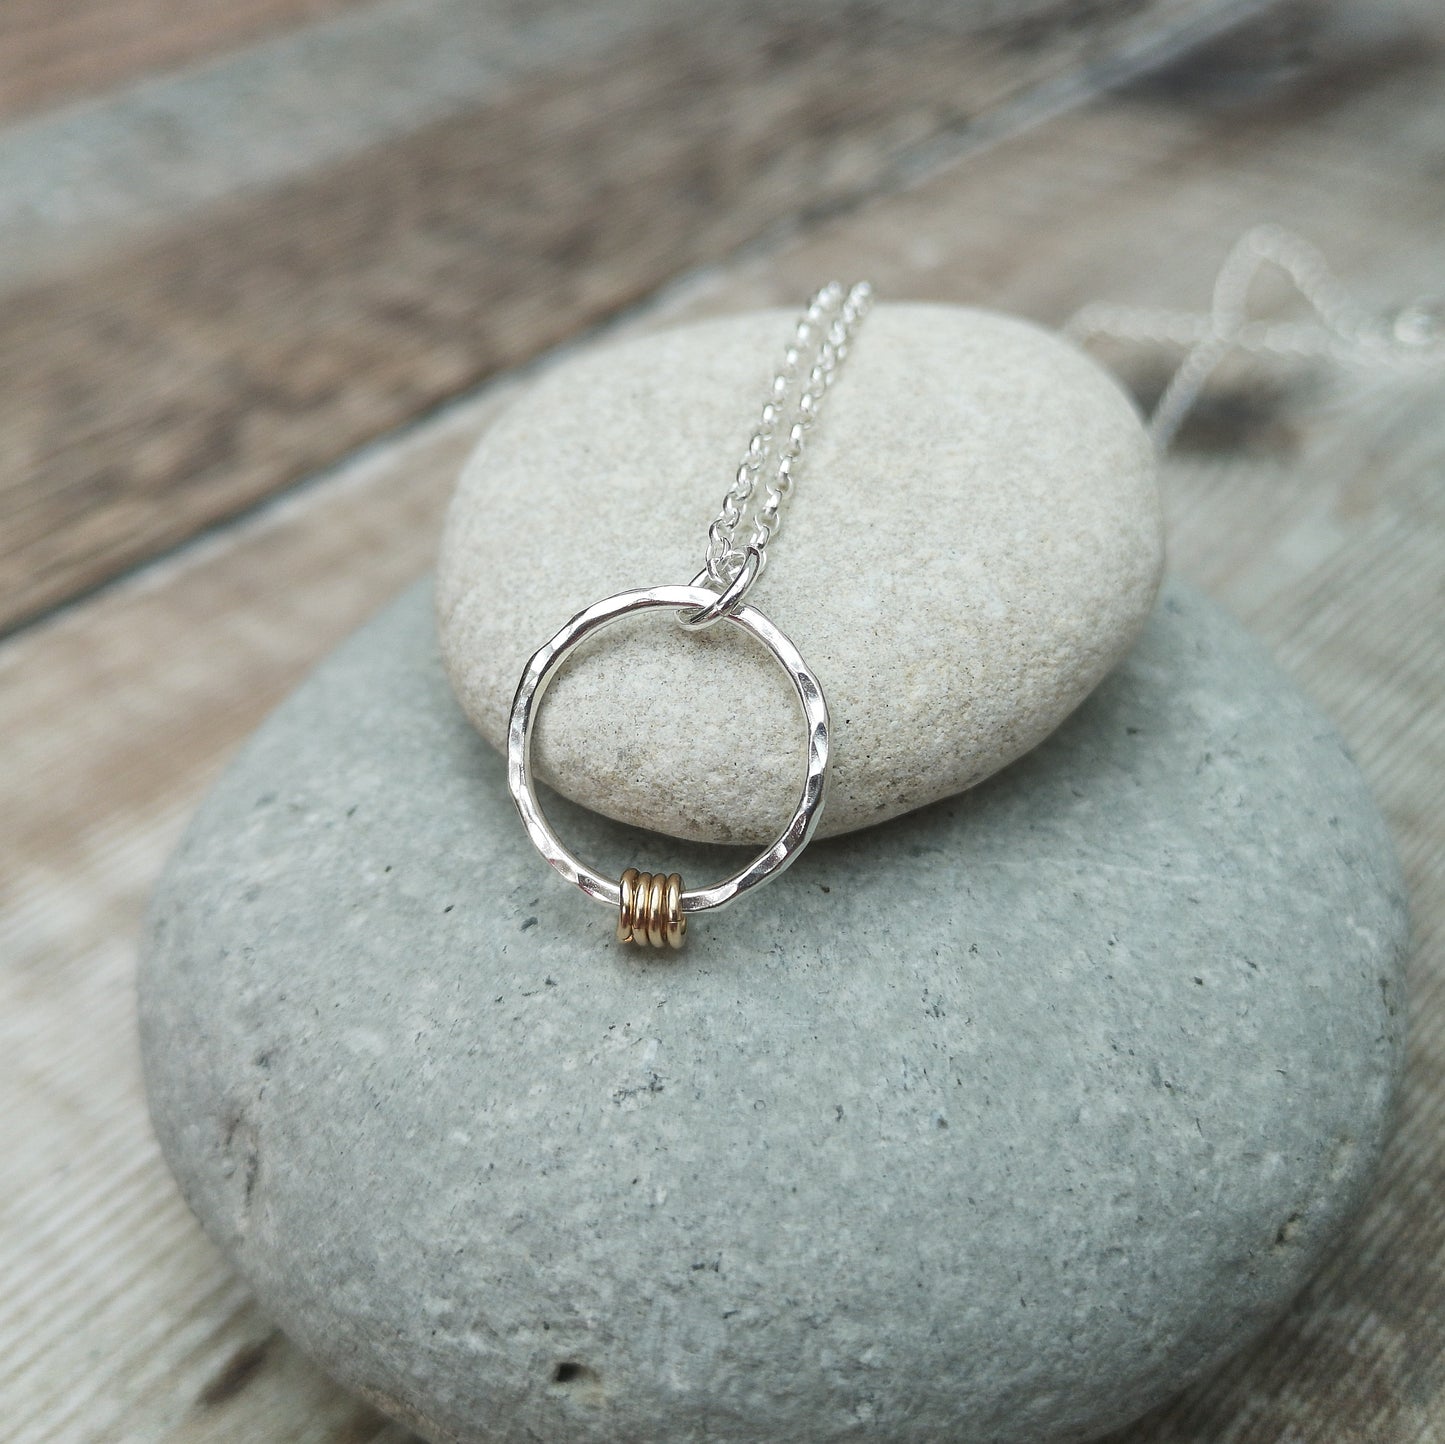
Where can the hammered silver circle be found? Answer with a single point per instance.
(542, 667)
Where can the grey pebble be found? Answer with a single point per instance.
(999, 1122)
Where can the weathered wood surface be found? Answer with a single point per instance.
(229, 297)
(53, 51)
(1319, 517)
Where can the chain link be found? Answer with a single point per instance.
(811, 362)
(1342, 330)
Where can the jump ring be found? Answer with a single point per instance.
(727, 599)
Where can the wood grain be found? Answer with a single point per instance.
(1315, 508)
(54, 51)
(158, 390)
(84, 182)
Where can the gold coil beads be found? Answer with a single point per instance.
(649, 911)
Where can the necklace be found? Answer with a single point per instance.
(653, 908)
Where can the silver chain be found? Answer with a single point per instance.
(1408, 338)
(811, 362)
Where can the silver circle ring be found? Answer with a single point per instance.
(542, 667)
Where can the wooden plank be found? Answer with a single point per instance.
(79, 184)
(1320, 519)
(165, 387)
(53, 53)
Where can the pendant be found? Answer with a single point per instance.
(653, 908)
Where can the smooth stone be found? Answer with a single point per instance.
(974, 541)
(998, 1123)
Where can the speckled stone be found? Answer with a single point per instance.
(999, 548)
(996, 1123)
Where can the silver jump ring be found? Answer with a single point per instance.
(726, 600)
(541, 669)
